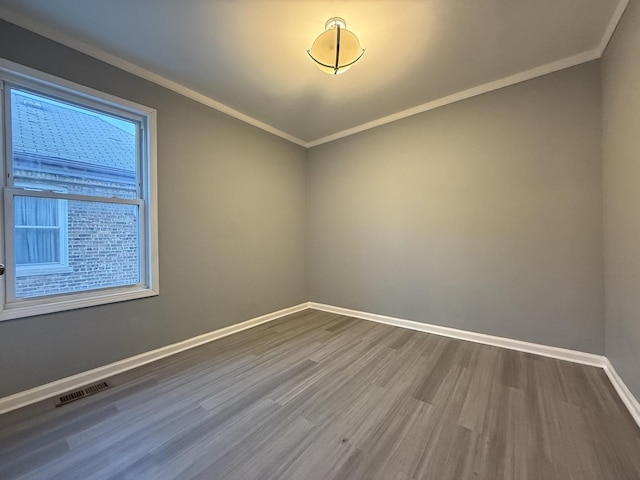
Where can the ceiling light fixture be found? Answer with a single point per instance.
(335, 50)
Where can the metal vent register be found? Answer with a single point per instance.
(83, 392)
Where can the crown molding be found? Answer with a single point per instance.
(65, 39)
(463, 95)
(611, 28)
(561, 64)
(95, 52)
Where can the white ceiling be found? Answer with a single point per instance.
(248, 57)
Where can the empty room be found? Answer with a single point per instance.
(320, 240)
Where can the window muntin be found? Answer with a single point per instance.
(79, 217)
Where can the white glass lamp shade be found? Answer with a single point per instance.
(337, 49)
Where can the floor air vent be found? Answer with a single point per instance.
(83, 392)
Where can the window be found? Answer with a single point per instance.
(41, 233)
(79, 196)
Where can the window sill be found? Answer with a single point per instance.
(32, 272)
(29, 308)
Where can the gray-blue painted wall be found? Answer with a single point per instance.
(231, 203)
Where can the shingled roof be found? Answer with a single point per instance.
(48, 130)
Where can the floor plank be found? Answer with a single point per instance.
(323, 396)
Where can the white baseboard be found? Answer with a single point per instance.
(58, 387)
(626, 396)
(554, 352)
(544, 350)
(74, 382)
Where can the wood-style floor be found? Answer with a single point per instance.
(322, 396)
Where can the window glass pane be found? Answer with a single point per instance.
(36, 211)
(62, 145)
(101, 250)
(37, 246)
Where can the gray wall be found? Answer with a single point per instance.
(621, 134)
(231, 220)
(484, 215)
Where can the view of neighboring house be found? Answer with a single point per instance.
(69, 245)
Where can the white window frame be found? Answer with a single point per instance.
(15, 75)
(63, 225)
